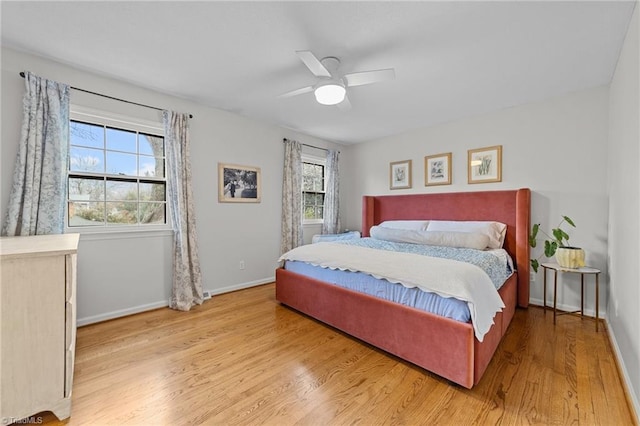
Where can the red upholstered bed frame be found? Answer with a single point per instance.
(441, 345)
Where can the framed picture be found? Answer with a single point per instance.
(239, 184)
(485, 164)
(437, 169)
(400, 174)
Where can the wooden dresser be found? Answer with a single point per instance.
(38, 325)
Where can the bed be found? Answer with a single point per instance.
(444, 346)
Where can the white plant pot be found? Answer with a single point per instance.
(570, 257)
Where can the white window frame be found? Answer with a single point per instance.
(103, 118)
(323, 162)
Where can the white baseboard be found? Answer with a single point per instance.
(240, 286)
(625, 374)
(161, 304)
(567, 308)
(121, 313)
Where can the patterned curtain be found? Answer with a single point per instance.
(187, 277)
(331, 223)
(291, 196)
(38, 194)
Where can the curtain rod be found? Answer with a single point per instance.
(111, 97)
(310, 146)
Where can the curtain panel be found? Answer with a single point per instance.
(331, 222)
(38, 194)
(291, 233)
(187, 277)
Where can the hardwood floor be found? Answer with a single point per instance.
(241, 358)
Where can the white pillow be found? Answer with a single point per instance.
(418, 225)
(496, 231)
(432, 238)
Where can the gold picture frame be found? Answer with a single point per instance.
(437, 169)
(485, 164)
(239, 184)
(400, 174)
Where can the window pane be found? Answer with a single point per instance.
(121, 140)
(122, 164)
(307, 183)
(151, 166)
(86, 214)
(317, 182)
(311, 183)
(121, 190)
(151, 145)
(152, 213)
(319, 212)
(308, 212)
(122, 213)
(308, 198)
(86, 160)
(86, 189)
(319, 199)
(152, 192)
(313, 177)
(84, 134)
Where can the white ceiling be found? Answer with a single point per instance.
(452, 59)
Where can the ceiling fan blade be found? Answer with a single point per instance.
(345, 105)
(296, 92)
(314, 65)
(368, 77)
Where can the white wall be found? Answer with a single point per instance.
(624, 210)
(558, 148)
(125, 273)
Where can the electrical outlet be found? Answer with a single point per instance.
(532, 276)
(242, 264)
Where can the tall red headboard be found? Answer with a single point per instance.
(510, 207)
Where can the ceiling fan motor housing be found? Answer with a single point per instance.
(331, 63)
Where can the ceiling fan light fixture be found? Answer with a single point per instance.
(330, 92)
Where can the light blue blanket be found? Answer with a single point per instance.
(495, 263)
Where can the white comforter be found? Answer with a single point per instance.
(445, 277)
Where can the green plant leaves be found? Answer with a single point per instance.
(534, 234)
(551, 244)
(560, 235)
(534, 265)
(569, 221)
(550, 248)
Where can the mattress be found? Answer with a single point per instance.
(363, 283)
(497, 265)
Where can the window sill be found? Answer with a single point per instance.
(120, 233)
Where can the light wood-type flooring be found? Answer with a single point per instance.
(243, 359)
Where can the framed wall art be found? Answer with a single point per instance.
(437, 169)
(485, 164)
(239, 184)
(400, 174)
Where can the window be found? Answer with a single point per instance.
(116, 174)
(313, 187)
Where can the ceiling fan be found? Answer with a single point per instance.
(331, 89)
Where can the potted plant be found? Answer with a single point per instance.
(556, 244)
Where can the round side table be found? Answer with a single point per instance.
(582, 271)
